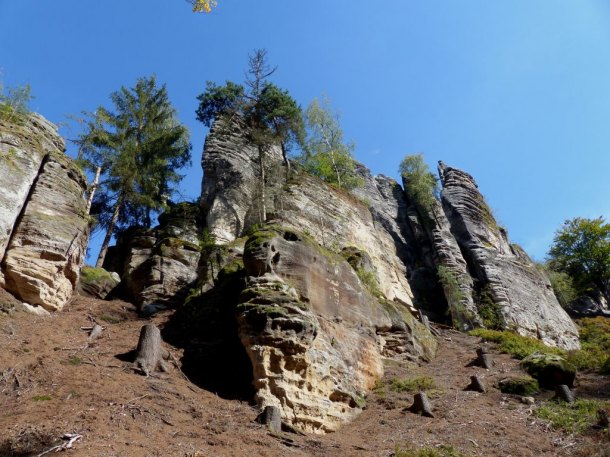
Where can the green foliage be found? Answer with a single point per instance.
(460, 316)
(326, 155)
(42, 398)
(412, 385)
(595, 345)
(563, 286)
(140, 146)
(420, 184)
(519, 386)
(489, 310)
(581, 249)
(14, 103)
(269, 114)
(219, 100)
(369, 279)
(439, 451)
(593, 355)
(75, 361)
(572, 417)
(91, 275)
(516, 345)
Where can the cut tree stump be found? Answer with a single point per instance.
(421, 405)
(150, 356)
(564, 393)
(272, 418)
(96, 332)
(476, 385)
(484, 358)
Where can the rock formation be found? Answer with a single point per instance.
(159, 265)
(43, 225)
(311, 329)
(521, 292)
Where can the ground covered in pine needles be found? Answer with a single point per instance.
(53, 381)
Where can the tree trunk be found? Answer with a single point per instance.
(476, 385)
(149, 354)
(96, 332)
(113, 221)
(261, 164)
(94, 185)
(421, 405)
(564, 393)
(272, 418)
(484, 358)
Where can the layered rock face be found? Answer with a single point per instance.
(523, 294)
(311, 330)
(230, 188)
(43, 221)
(159, 265)
(334, 218)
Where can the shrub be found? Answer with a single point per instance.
(14, 103)
(572, 417)
(412, 385)
(519, 386)
(420, 185)
(516, 345)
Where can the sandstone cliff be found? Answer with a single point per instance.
(520, 293)
(450, 259)
(159, 265)
(43, 225)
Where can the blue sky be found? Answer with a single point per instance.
(515, 92)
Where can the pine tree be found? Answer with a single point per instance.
(270, 115)
(140, 146)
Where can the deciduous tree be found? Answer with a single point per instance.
(581, 248)
(326, 153)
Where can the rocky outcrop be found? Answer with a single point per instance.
(230, 188)
(159, 265)
(311, 329)
(522, 294)
(43, 217)
(591, 305)
(334, 218)
(97, 282)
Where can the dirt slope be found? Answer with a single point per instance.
(52, 382)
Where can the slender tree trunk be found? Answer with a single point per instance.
(113, 221)
(93, 189)
(261, 164)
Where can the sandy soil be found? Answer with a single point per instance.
(52, 382)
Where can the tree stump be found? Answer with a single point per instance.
(476, 385)
(149, 354)
(96, 332)
(421, 405)
(564, 393)
(272, 418)
(484, 358)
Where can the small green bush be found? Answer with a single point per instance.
(41, 398)
(519, 386)
(516, 345)
(412, 385)
(572, 417)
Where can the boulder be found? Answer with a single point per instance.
(160, 265)
(549, 369)
(43, 226)
(97, 282)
